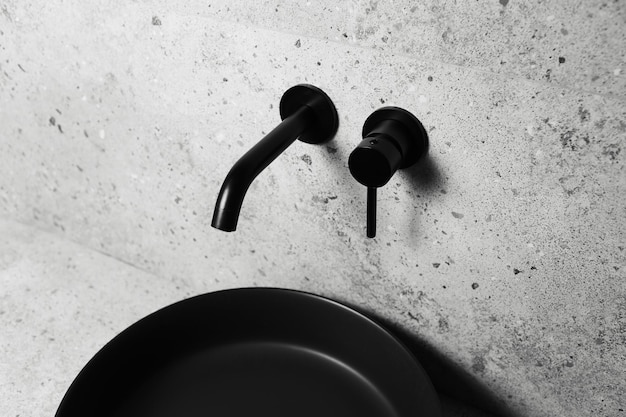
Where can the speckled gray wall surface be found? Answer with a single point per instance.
(503, 251)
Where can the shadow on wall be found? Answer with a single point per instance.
(427, 181)
(426, 176)
(450, 380)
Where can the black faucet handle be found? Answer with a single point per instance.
(393, 139)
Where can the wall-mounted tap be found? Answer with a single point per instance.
(308, 114)
(392, 138)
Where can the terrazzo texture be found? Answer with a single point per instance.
(60, 303)
(503, 251)
(573, 44)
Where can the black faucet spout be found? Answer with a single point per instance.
(251, 164)
(308, 114)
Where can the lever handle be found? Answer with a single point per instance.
(393, 139)
(371, 211)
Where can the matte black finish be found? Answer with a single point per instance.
(253, 352)
(308, 114)
(413, 141)
(325, 120)
(371, 211)
(393, 138)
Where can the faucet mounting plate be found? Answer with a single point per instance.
(326, 122)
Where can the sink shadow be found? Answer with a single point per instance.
(448, 378)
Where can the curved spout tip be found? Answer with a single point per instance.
(225, 220)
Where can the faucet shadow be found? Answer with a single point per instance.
(425, 176)
(427, 181)
(448, 378)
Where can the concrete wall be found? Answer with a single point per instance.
(503, 251)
